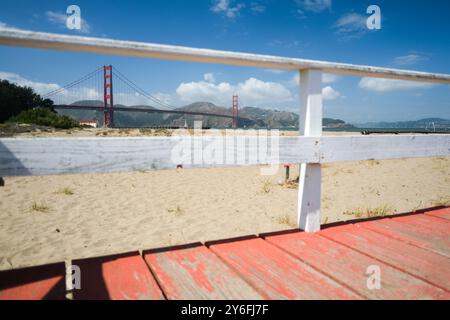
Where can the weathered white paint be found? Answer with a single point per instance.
(42, 40)
(355, 148)
(48, 156)
(309, 190)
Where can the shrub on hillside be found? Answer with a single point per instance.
(15, 98)
(44, 117)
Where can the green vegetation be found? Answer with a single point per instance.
(15, 99)
(44, 117)
(22, 105)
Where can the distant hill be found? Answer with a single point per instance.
(254, 117)
(426, 123)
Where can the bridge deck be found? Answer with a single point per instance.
(411, 252)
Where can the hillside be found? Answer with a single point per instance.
(426, 123)
(253, 117)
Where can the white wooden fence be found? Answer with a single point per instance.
(41, 156)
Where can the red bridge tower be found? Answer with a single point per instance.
(108, 116)
(235, 111)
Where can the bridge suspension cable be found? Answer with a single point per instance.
(73, 84)
(141, 91)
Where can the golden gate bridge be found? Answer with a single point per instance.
(99, 91)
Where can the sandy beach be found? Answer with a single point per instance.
(58, 218)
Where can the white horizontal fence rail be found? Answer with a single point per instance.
(41, 40)
(56, 156)
(50, 156)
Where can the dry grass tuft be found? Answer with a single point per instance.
(67, 191)
(442, 202)
(373, 162)
(178, 211)
(291, 184)
(286, 220)
(266, 187)
(381, 211)
(40, 207)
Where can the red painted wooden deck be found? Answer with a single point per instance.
(412, 253)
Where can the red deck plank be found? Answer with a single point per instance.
(120, 277)
(349, 267)
(440, 213)
(276, 274)
(35, 283)
(435, 225)
(411, 230)
(194, 272)
(419, 262)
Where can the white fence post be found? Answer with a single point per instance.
(311, 126)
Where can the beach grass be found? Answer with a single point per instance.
(177, 211)
(267, 186)
(40, 207)
(380, 211)
(286, 220)
(67, 191)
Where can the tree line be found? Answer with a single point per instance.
(23, 105)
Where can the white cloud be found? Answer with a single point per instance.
(409, 59)
(209, 77)
(327, 78)
(253, 91)
(38, 87)
(388, 85)
(42, 88)
(284, 44)
(224, 7)
(164, 97)
(275, 71)
(5, 25)
(61, 18)
(257, 7)
(313, 5)
(351, 25)
(329, 93)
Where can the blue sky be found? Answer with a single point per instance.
(414, 36)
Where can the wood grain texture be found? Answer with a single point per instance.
(355, 148)
(277, 275)
(431, 235)
(426, 265)
(441, 213)
(48, 156)
(349, 268)
(120, 277)
(310, 125)
(195, 273)
(31, 39)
